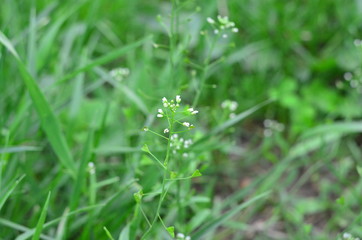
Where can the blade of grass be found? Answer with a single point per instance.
(105, 59)
(17, 149)
(21, 228)
(109, 235)
(49, 121)
(39, 226)
(5, 196)
(232, 121)
(30, 232)
(81, 176)
(225, 217)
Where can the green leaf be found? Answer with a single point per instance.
(39, 226)
(138, 196)
(340, 200)
(359, 170)
(5, 196)
(196, 174)
(109, 235)
(145, 148)
(124, 235)
(114, 54)
(171, 231)
(49, 122)
(214, 223)
(173, 175)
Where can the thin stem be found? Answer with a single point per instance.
(164, 190)
(204, 72)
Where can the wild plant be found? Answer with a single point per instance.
(174, 162)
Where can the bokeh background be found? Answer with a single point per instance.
(103, 67)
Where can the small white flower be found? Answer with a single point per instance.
(187, 238)
(233, 105)
(145, 129)
(348, 76)
(180, 235)
(210, 20)
(186, 124)
(165, 104)
(235, 30)
(160, 110)
(347, 235)
(185, 155)
(159, 115)
(216, 31)
(178, 99)
(164, 99)
(190, 109)
(91, 168)
(194, 112)
(224, 35)
(166, 130)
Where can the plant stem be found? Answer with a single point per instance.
(164, 178)
(204, 72)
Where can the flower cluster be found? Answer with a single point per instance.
(354, 79)
(230, 106)
(119, 74)
(181, 236)
(179, 144)
(222, 26)
(91, 168)
(348, 236)
(172, 105)
(272, 126)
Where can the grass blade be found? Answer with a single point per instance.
(220, 220)
(105, 59)
(5, 196)
(49, 121)
(39, 226)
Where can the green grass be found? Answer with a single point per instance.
(70, 126)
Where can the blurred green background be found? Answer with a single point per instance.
(303, 145)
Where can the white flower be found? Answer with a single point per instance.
(186, 124)
(164, 99)
(233, 105)
(180, 235)
(145, 129)
(210, 20)
(192, 111)
(178, 98)
(235, 30)
(91, 168)
(224, 35)
(185, 155)
(159, 115)
(187, 238)
(166, 130)
(347, 235)
(160, 110)
(216, 31)
(348, 76)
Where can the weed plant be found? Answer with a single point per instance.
(96, 142)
